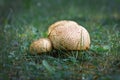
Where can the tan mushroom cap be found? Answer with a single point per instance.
(40, 46)
(68, 35)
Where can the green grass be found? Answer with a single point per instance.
(29, 21)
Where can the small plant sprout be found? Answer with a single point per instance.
(69, 35)
(41, 46)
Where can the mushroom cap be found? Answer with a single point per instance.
(40, 46)
(68, 35)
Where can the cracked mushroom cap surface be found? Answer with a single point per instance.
(69, 35)
(40, 46)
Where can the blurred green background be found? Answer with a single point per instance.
(23, 21)
(40, 9)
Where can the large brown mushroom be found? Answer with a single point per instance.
(69, 35)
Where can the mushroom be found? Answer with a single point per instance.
(40, 46)
(68, 35)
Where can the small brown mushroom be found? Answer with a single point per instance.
(40, 46)
(68, 35)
